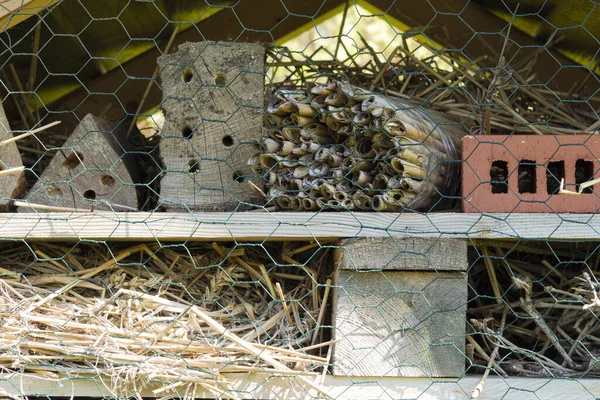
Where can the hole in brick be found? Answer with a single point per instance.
(220, 80)
(498, 175)
(187, 132)
(554, 173)
(73, 160)
(227, 141)
(89, 194)
(187, 75)
(238, 177)
(584, 171)
(194, 166)
(527, 178)
(107, 180)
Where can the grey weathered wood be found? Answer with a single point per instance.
(404, 254)
(11, 186)
(91, 171)
(399, 323)
(264, 385)
(213, 101)
(137, 226)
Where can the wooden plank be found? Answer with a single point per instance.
(265, 386)
(468, 27)
(417, 254)
(399, 323)
(14, 11)
(213, 102)
(91, 171)
(294, 226)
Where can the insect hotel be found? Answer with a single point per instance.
(282, 199)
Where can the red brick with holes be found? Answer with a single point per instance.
(521, 173)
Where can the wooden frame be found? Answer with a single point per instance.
(265, 386)
(258, 226)
(14, 11)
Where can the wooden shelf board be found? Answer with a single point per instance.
(265, 386)
(293, 225)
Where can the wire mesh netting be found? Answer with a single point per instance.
(299, 199)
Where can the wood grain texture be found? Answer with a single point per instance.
(294, 225)
(265, 386)
(418, 254)
(213, 102)
(11, 186)
(90, 172)
(399, 323)
(14, 11)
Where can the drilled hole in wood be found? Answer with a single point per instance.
(554, 173)
(89, 194)
(107, 180)
(194, 166)
(228, 141)
(220, 80)
(238, 177)
(187, 132)
(527, 177)
(73, 160)
(53, 190)
(498, 176)
(584, 172)
(187, 75)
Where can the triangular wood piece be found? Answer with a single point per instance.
(11, 186)
(213, 103)
(91, 171)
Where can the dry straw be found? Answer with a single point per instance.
(174, 315)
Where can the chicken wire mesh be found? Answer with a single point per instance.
(152, 152)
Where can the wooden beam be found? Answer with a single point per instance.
(265, 386)
(14, 11)
(468, 27)
(142, 226)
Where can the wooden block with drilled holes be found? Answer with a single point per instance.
(392, 318)
(11, 186)
(90, 171)
(213, 102)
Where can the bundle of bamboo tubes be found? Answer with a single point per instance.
(336, 146)
(164, 317)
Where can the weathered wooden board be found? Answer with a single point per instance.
(418, 254)
(213, 101)
(400, 323)
(14, 11)
(126, 226)
(91, 171)
(262, 385)
(11, 186)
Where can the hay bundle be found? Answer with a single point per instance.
(341, 147)
(180, 317)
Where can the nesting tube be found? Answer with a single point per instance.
(286, 148)
(362, 201)
(295, 203)
(308, 204)
(291, 134)
(283, 202)
(268, 161)
(305, 110)
(301, 120)
(362, 119)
